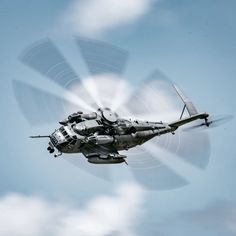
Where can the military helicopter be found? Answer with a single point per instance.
(100, 135)
(157, 159)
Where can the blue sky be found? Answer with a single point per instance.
(194, 43)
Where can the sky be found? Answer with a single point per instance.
(194, 44)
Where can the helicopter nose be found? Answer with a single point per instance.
(54, 140)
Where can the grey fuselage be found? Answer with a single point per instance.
(103, 128)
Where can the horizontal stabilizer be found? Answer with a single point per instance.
(184, 121)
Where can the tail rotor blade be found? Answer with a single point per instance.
(219, 120)
(212, 122)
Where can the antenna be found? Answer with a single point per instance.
(39, 136)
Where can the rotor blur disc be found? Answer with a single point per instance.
(166, 162)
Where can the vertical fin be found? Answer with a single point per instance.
(188, 103)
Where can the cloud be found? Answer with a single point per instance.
(92, 17)
(26, 215)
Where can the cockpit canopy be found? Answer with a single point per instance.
(61, 138)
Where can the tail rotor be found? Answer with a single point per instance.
(210, 122)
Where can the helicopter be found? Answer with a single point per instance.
(100, 135)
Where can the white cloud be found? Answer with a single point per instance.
(22, 215)
(91, 17)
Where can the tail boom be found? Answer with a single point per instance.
(184, 121)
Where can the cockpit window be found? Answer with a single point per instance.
(63, 131)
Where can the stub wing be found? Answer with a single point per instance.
(101, 154)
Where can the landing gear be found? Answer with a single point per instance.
(50, 149)
(58, 154)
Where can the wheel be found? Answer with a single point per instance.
(51, 150)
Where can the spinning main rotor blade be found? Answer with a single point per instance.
(100, 171)
(41, 107)
(45, 58)
(193, 148)
(157, 100)
(160, 163)
(158, 178)
(38, 107)
(106, 63)
(213, 121)
(151, 173)
(101, 57)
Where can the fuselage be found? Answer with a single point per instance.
(99, 129)
(100, 135)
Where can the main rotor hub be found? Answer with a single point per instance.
(109, 116)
